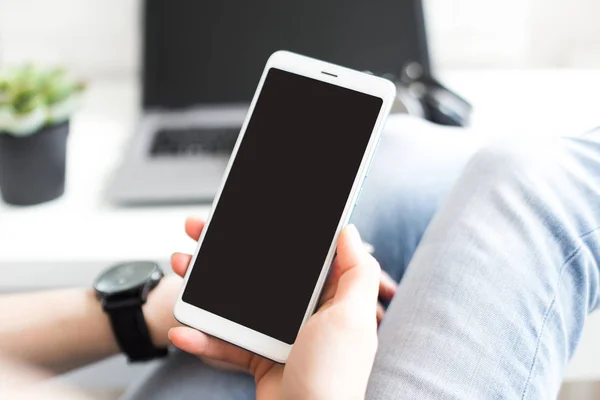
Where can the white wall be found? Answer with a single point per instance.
(514, 33)
(93, 37)
(100, 37)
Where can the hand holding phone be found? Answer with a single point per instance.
(293, 179)
(333, 352)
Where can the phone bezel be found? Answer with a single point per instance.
(231, 331)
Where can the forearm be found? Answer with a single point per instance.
(65, 329)
(60, 329)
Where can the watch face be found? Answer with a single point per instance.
(123, 277)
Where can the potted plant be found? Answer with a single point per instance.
(35, 108)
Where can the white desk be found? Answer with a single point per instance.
(67, 241)
(70, 240)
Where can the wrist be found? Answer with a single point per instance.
(134, 302)
(158, 310)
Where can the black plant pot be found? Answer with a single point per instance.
(32, 168)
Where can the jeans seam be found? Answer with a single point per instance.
(563, 267)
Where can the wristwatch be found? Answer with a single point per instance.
(122, 290)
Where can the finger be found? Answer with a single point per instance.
(222, 365)
(387, 287)
(380, 313)
(337, 269)
(331, 284)
(180, 263)
(369, 247)
(350, 249)
(360, 273)
(201, 344)
(193, 227)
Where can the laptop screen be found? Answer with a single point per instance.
(213, 52)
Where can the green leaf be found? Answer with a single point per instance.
(29, 88)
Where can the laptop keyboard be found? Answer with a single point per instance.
(194, 141)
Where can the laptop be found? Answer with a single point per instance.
(202, 61)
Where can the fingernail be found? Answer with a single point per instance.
(354, 236)
(169, 333)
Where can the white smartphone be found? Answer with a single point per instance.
(290, 186)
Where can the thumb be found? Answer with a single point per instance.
(360, 272)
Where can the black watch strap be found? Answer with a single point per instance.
(131, 330)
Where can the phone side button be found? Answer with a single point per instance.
(356, 202)
(358, 197)
(372, 157)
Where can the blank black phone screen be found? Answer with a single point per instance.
(277, 215)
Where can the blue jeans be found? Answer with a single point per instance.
(493, 301)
